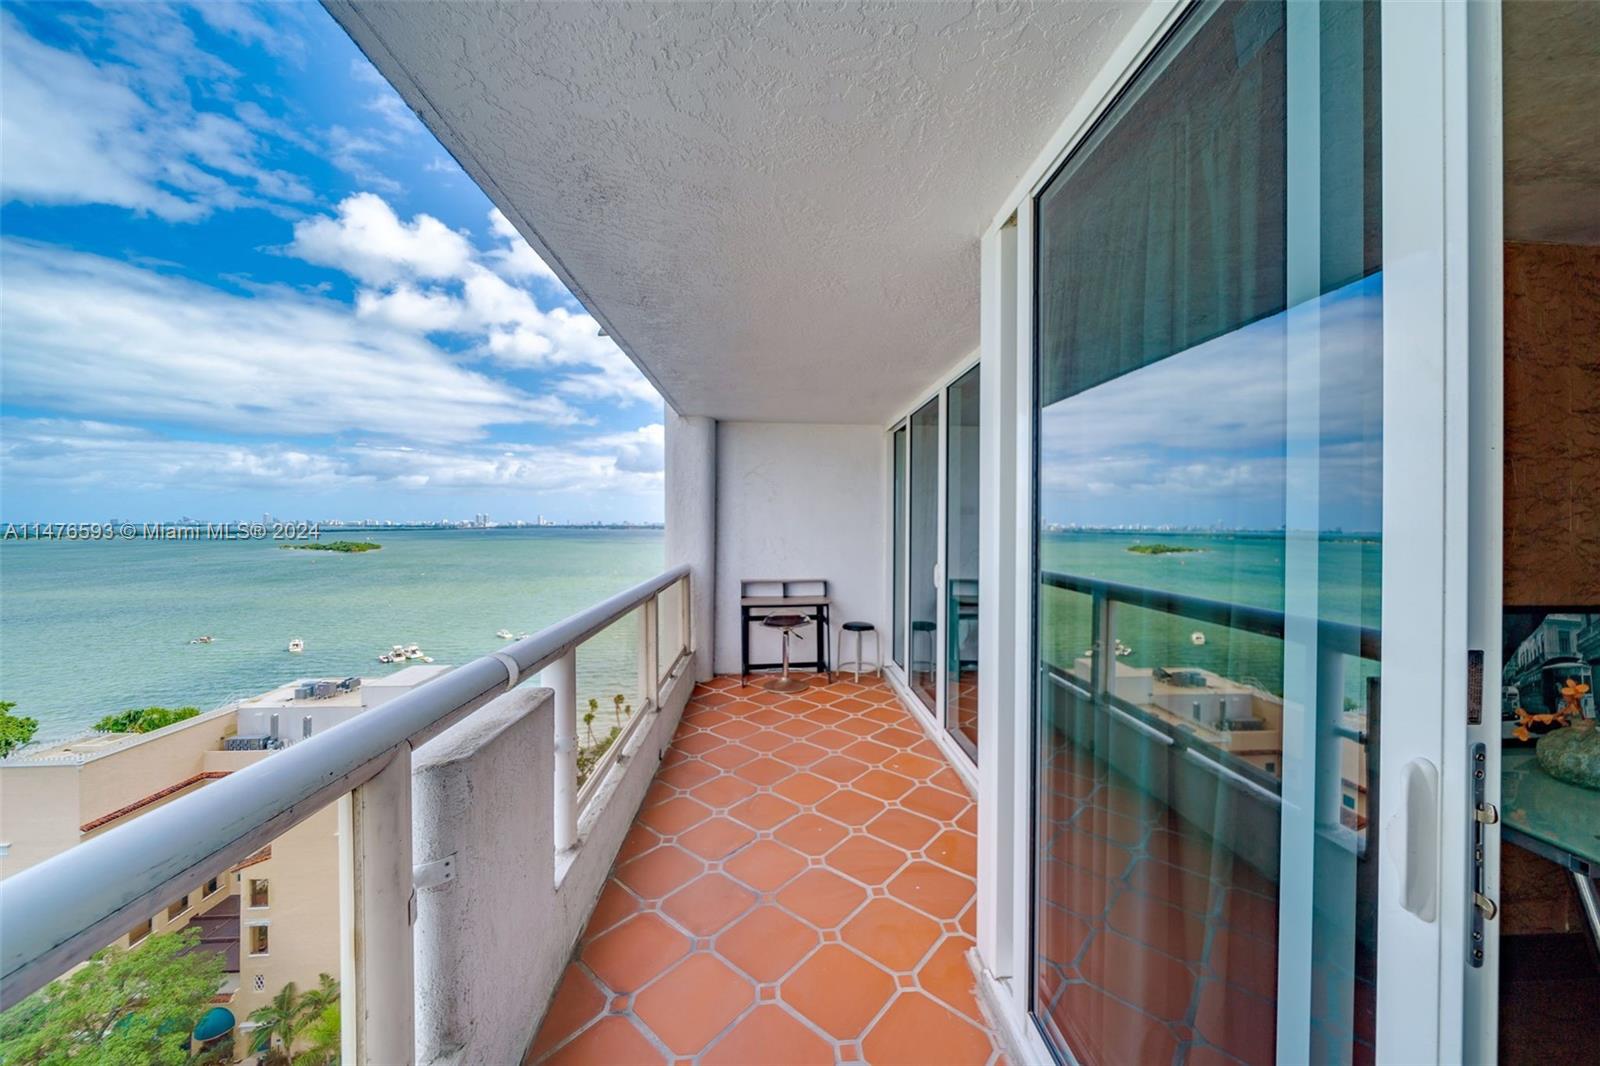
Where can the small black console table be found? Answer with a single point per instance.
(806, 596)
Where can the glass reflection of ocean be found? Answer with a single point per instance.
(90, 628)
(1235, 567)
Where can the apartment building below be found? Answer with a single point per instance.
(273, 917)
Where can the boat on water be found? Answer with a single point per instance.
(399, 653)
(297, 645)
(503, 634)
(203, 640)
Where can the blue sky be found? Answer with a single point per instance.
(1203, 437)
(239, 276)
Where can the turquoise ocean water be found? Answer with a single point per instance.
(91, 628)
(1241, 567)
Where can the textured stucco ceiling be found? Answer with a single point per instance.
(775, 209)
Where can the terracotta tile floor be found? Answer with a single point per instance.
(797, 888)
(1157, 943)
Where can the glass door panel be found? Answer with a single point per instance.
(922, 574)
(898, 635)
(1209, 312)
(961, 562)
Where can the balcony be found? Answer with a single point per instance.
(800, 876)
(740, 871)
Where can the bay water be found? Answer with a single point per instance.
(1237, 567)
(89, 628)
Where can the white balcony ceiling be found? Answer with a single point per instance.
(774, 209)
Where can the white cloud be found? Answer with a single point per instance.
(244, 22)
(1204, 434)
(368, 241)
(73, 132)
(428, 278)
(409, 309)
(613, 378)
(349, 151)
(95, 338)
(393, 111)
(84, 455)
(516, 258)
(71, 454)
(642, 452)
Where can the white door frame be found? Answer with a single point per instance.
(1426, 223)
(1485, 195)
(1426, 551)
(932, 720)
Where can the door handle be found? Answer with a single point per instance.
(1413, 839)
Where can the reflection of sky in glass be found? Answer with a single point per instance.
(1198, 439)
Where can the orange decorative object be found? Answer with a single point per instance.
(1572, 694)
(1571, 710)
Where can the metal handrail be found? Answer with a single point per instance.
(1361, 641)
(1337, 638)
(59, 912)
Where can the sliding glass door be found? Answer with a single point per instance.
(1209, 367)
(923, 570)
(961, 561)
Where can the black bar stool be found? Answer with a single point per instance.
(786, 682)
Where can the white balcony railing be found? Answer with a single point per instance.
(56, 914)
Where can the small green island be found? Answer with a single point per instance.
(334, 546)
(1161, 549)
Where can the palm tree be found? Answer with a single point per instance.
(323, 1031)
(316, 1000)
(281, 1020)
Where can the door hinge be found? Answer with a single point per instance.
(1484, 814)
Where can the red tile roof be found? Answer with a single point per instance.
(138, 804)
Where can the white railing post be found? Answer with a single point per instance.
(686, 631)
(1330, 746)
(376, 898)
(649, 652)
(561, 677)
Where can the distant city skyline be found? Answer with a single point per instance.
(241, 276)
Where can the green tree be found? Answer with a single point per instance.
(279, 1022)
(144, 719)
(15, 730)
(316, 1000)
(322, 1029)
(291, 1014)
(128, 1005)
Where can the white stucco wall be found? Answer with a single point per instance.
(799, 501)
(691, 521)
(492, 943)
